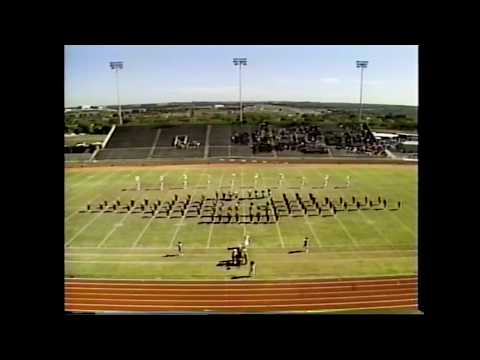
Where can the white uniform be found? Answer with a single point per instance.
(137, 179)
(247, 240)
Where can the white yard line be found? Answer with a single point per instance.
(179, 223)
(240, 192)
(135, 243)
(307, 221)
(347, 232)
(82, 229)
(113, 229)
(340, 248)
(87, 178)
(90, 222)
(354, 241)
(372, 223)
(97, 196)
(367, 219)
(395, 216)
(211, 225)
(279, 232)
(97, 254)
(280, 235)
(97, 182)
(209, 236)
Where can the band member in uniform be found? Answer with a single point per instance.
(306, 244)
(252, 268)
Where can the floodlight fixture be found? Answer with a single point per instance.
(240, 62)
(117, 65)
(361, 64)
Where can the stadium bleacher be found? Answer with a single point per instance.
(220, 135)
(123, 153)
(172, 152)
(237, 141)
(133, 137)
(77, 157)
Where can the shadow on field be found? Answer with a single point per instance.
(339, 187)
(170, 255)
(240, 277)
(227, 264)
(295, 251)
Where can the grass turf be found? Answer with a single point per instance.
(356, 243)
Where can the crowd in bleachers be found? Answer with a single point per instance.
(299, 140)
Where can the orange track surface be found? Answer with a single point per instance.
(251, 296)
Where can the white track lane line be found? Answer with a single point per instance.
(379, 280)
(410, 296)
(243, 306)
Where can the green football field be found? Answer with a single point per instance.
(135, 246)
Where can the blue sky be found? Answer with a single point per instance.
(158, 74)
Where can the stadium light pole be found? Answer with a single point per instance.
(117, 65)
(362, 65)
(240, 62)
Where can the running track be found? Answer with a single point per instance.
(251, 296)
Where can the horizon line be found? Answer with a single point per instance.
(245, 101)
